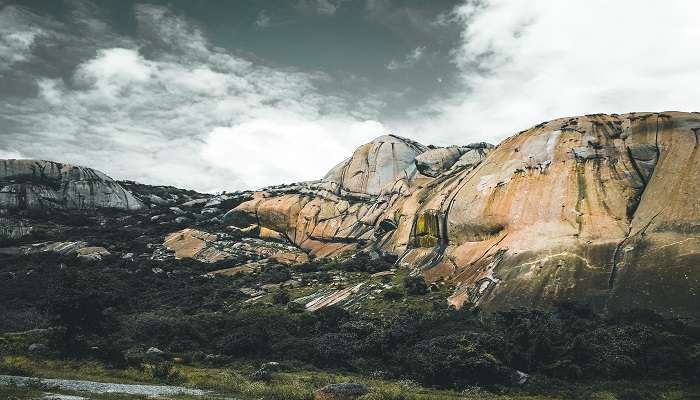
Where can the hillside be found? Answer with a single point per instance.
(569, 251)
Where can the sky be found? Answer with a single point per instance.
(217, 95)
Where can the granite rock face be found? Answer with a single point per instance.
(601, 209)
(34, 184)
(375, 164)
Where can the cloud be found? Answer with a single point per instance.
(319, 7)
(165, 106)
(525, 62)
(16, 40)
(10, 154)
(286, 148)
(263, 20)
(409, 60)
(176, 110)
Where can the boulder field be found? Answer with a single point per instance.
(602, 209)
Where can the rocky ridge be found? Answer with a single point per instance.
(600, 209)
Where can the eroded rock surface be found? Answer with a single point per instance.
(600, 209)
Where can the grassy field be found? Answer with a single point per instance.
(299, 384)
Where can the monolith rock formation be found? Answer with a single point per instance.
(600, 209)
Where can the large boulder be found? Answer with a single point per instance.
(35, 184)
(435, 161)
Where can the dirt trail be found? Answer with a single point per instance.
(100, 387)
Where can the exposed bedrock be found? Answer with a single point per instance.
(35, 184)
(603, 209)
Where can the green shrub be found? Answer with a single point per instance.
(415, 285)
(165, 372)
(393, 294)
(280, 297)
(19, 366)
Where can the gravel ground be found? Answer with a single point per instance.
(100, 387)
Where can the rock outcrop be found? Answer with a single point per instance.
(374, 165)
(33, 184)
(212, 248)
(601, 209)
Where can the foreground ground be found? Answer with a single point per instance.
(294, 383)
(396, 334)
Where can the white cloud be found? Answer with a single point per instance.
(169, 108)
(113, 70)
(325, 8)
(263, 20)
(526, 62)
(409, 60)
(283, 149)
(16, 40)
(10, 154)
(188, 115)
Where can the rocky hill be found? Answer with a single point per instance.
(560, 247)
(34, 184)
(598, 209)
(601, 209)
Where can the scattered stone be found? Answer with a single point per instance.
(271, 366)
(38, 348)
(520, 378)
(262, 375)
(251, 292)
(195, 203)
(155, 199)
(177, 211)
(93, 253)
(155, 351)
(383, 274)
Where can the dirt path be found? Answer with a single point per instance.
(100, 387)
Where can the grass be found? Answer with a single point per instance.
(291, 385)
(300, 383)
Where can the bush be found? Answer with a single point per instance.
(165, 372)
(454, 361)
(18, 366)
(415, 285)
(393, 294)
(280, 297)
